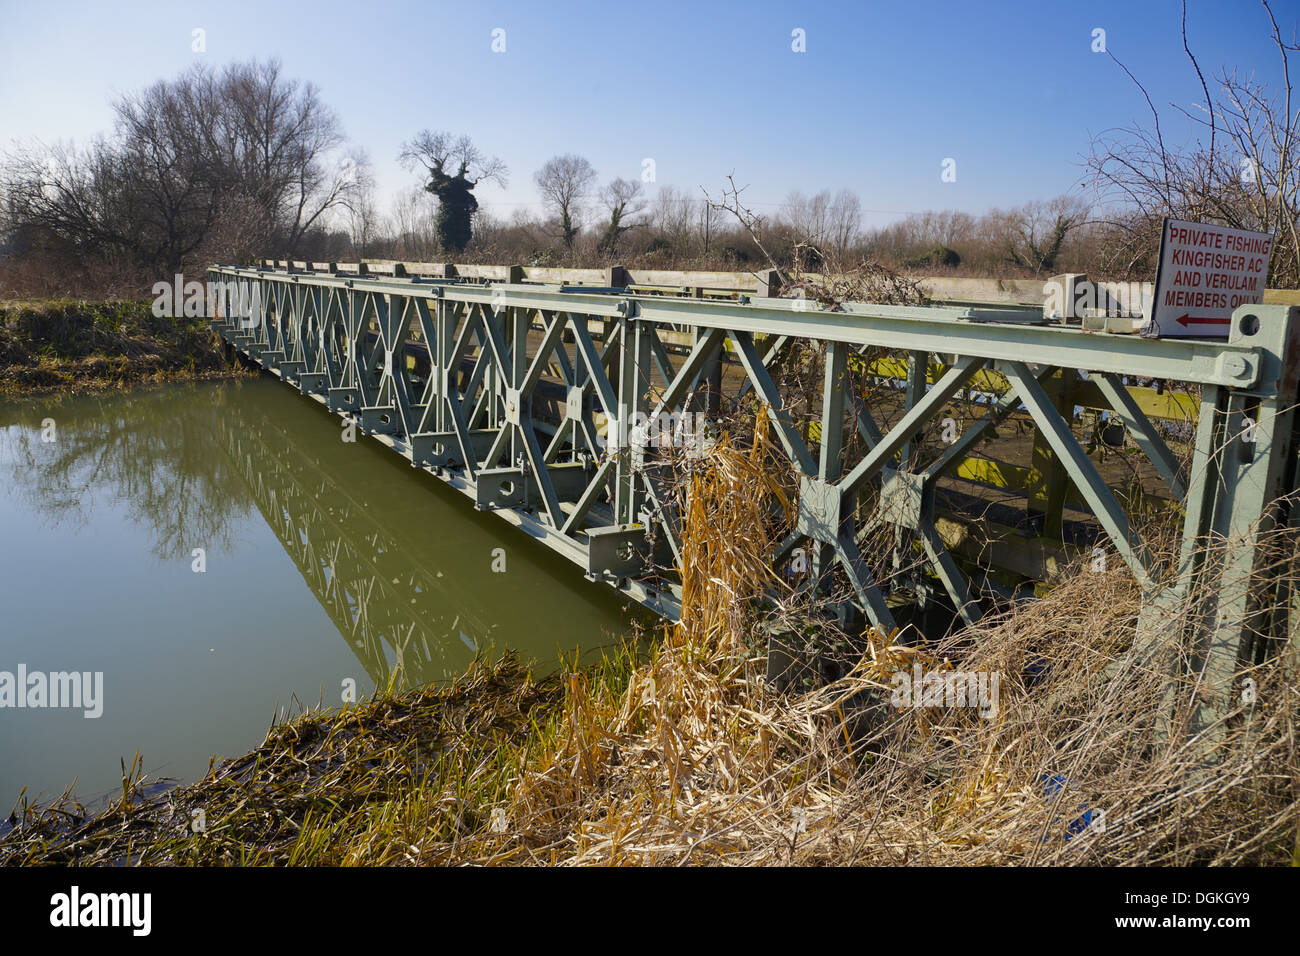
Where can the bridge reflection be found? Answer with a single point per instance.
(402, 568)
(103, 500)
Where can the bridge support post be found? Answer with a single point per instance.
(1243, 466)
(633, 381)
(1048, 474)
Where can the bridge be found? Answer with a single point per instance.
(533, 398)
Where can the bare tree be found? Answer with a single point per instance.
(272, 139)
(807, 216)
(844, 220)
(86, 199)
(564, 182)
(362, 217)
(622, 198)
(8, 228)
(455, 166)
(184, 154)
(410, 225)
(729, 203)
(1032, 236)
(672, 215)
(1242, 170)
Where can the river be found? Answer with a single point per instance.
(221, 557)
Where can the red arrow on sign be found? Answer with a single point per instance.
(1184, 320)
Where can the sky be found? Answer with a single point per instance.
(880, 96)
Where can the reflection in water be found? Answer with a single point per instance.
(96, 534)
(389, 594)
(147, 449)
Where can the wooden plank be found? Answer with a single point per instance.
(999, 547)
(1169, 405)
(895, 367)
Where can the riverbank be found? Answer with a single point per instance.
(384, 766)
(684, 755)
(87, 346)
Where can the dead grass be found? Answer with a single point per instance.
(357, 785)
(697, 760)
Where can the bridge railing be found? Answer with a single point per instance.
(494, 352)
(943, 290)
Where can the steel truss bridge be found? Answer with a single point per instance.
(500, 388)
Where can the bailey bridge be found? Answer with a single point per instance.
(525, 391)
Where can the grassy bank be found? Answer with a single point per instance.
(65, 344)
(685, 754)
(317, 783)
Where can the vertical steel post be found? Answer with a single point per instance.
(829, 465)
(633, 376)
(1244, 447)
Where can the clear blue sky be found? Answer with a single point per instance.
(884, 92)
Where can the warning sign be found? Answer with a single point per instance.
(1205, 273)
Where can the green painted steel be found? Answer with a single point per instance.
(483, 415)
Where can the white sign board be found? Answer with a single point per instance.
(1205, 273)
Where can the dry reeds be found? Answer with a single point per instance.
(1085, 757)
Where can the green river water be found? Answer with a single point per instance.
(323, 564)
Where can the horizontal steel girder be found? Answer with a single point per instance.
(916, 328)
